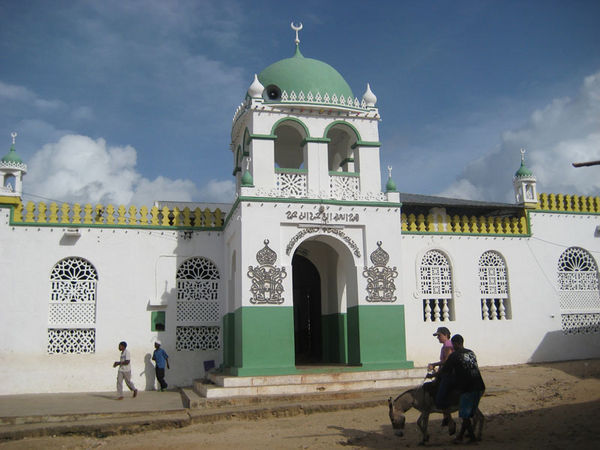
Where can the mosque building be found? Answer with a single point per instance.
(311, 266)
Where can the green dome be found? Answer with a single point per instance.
(300, 74)
(247, 179)
(390, 186)
(12, 157)
(523, 171)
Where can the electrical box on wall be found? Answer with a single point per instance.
(157, 320)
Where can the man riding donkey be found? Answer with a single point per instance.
(461, 367)
(442, 384)
(461, 386)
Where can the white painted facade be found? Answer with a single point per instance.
(136, 265)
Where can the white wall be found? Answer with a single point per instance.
(534, 333)
(136, 272)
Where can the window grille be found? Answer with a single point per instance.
(72, 307)
(493, 287)
(436, 287)
(579, 293)
(198, 305)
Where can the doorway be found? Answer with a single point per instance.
(307, 311)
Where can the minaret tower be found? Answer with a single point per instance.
(306, 135)
(12, 169)
(309, 243)
(524, 184)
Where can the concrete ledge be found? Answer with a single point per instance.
(312, 378)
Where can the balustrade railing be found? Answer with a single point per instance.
(568, 203)
(291, 183)
(109, 216)
(344, 186)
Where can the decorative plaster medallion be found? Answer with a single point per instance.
(380, 277)
(267, 286)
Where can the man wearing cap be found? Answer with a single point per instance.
(161, 358)
(443, 335)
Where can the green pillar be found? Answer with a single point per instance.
(264, 341)
(376, 337)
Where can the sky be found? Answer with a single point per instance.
(131, 101)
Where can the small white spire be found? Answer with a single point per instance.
(14, 136)
(369, 98)
(390, 171)
(522, 155)
(296, 28)
(256, 88)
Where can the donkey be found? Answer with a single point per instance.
(423, 401)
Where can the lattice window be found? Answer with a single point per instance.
(72, 307)
(344, 187)
(580, 323)
(579, 292)
(198, 305)
(493, 287)
(197, 338)
(291, 184)
(198, 312)
(71, 340)
(436, 287)
(192, 290)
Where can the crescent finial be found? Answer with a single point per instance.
(296, 28)
(13, 135)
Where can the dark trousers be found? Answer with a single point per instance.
(160, 376)
(441, 397)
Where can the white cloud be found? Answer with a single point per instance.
(80, 169)
(222, 191)
(24, 95)
(567, 130)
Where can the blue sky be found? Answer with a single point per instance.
(132, 101)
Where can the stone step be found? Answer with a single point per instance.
(190, 399)
(296, 386)
(315, 378)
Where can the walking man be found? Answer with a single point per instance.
(124, 372)
(161, 358)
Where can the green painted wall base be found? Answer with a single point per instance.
(264, 341)
(259, 340)
(335, 343)
(376, 337)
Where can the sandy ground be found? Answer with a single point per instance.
(541, 406)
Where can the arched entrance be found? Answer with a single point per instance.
(324, 284)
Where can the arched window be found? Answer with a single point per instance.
(198, 305)
(493, 287)
(436, 287)
(579, 294)
(72, 307)
(288, 145)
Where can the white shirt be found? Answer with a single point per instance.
(125, 356)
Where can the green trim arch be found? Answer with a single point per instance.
(342, 122)
(246, 141)
(237, 166)
(292, 119)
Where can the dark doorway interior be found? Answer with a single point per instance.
(307, 310)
